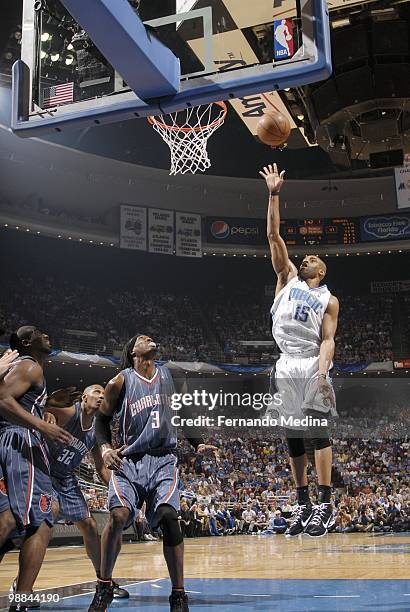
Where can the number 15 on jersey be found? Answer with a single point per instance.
(301, 312)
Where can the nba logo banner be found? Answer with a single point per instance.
(283, 38)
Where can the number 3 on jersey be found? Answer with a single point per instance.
(301, 313)
(155, 419)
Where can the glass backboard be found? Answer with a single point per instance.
(225, 49)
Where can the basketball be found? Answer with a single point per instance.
(273, 128)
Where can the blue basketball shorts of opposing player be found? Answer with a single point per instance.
(67, 492)
(25, 483)
(150, 478)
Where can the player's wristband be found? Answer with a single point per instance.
(322, 376)
(273, 193)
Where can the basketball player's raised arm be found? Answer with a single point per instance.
(17, 382)
(283, 267)
(111, 457)
(329, 326)
(60, 406)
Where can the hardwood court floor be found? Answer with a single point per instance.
(236, 560)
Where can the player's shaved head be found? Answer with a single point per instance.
(92, 397)
(91, 388)
(23, 333)
(312, 266)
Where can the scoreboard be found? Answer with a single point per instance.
(302, 233)
(311, 232)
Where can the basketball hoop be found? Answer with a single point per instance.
(187, 133)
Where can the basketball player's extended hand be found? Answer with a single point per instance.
(6, 361)
(205, 448)
(273, 179)
(63, 397)
(112, 457)
(49, 418)
(326, 391)
(55, 433)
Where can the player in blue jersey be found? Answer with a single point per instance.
(68, 500)
(25, 483)
(144, 467)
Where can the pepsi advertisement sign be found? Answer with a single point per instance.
(233, 230)
(385, 227)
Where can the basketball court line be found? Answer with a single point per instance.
(122, 585)
(286, 595)
(249, 594)
(335, 596)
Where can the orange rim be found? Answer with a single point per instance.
(200, 128)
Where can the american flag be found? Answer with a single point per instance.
(58, 94)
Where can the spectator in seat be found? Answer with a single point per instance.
(344, 521)
(278, 524)
(213, 527)
(364, 524)
(185, 520)
(381, 521)
(249, 519)
(196, 521)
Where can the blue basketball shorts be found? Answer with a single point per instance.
(153, 479)
(25, 483)
(67, 492)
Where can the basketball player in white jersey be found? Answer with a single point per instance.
(304, 322)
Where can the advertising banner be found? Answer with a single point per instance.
(386, 227)
(402, 176)
(233, 230)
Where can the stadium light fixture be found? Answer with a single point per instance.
(340, 23)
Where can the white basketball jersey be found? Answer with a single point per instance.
(297, 315)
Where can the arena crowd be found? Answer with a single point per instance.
(248, 489)
(189, 326)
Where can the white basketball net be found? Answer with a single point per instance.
(187, 133)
